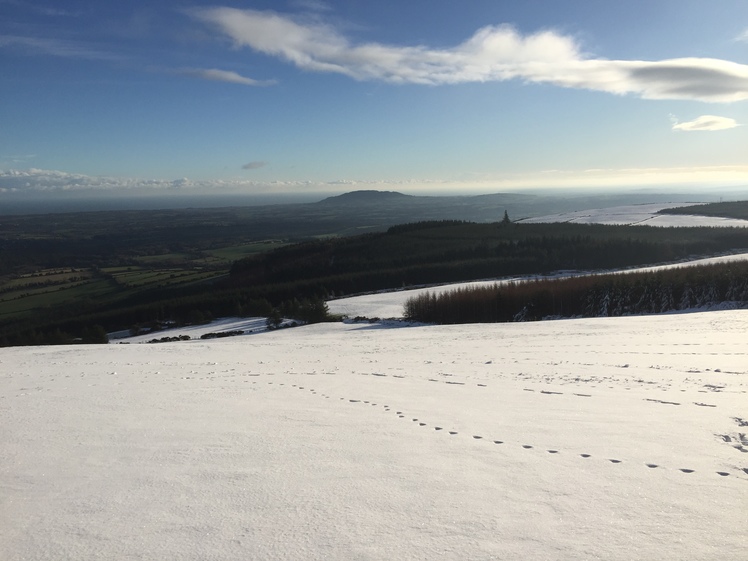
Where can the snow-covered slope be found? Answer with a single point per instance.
(615, 438)
(249, 326)
(390, 304)
(645, 214)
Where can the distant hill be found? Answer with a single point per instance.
(367, 196)
(378, 210)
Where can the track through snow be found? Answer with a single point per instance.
(610, 438)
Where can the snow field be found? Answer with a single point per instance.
(640, 215)
(610, 438)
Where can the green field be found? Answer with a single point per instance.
(135, 278)
(31, 304)
(232, 253)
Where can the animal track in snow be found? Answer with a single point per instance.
(661, 401)
(740, 441)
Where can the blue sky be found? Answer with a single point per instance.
(417, 96)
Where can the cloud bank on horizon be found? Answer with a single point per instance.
(493, 53)
(35, 182)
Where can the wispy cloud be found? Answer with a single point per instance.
(254, 165)
(15, 159)
(55, 47)
(707, 123)
(493, 53)
(42, 10)
(743, 36)
(217, 75)
(312, 5)
(55, 12)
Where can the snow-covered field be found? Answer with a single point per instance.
(645, 214)
(615, 438)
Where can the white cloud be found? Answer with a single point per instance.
(223, 76)
(493, 53)
(707, 123)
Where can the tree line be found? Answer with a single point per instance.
(614, 294)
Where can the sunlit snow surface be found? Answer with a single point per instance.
(642, 215)
(614, 438)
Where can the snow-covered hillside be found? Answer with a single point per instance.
(645, 214)
(616, 438)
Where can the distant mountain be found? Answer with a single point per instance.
(377, 210)
(367, 196)
(387, 208)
